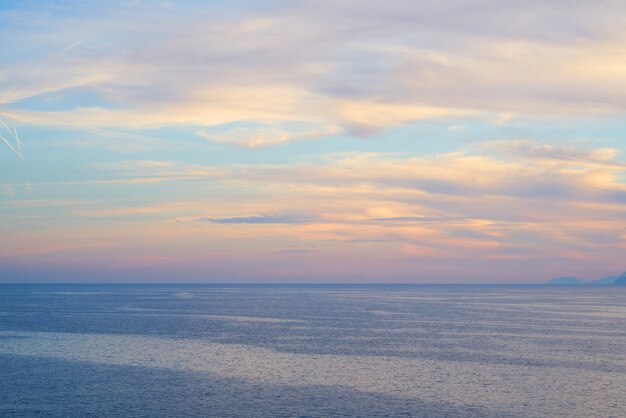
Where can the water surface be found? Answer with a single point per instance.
(274, 350)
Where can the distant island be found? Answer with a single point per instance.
(571, 280)
(566, 280)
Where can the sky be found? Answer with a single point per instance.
(312, 141)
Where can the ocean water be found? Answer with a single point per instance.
(300, 350)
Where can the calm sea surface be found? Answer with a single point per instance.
(270, 350)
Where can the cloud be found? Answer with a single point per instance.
(260, 219)
(539, 151)
(416, 219)
(438, 192)
(266, 135)
(461, 212)
(365, 67)
(294, 251)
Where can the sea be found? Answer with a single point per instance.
(312, 351)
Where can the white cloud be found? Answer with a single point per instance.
(358, 66)
(266, 135)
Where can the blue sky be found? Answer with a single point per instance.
(304, 141)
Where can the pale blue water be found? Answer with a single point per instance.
(269, 350)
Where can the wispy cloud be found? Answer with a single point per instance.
(260, 219)
(266, 135)
(416, 219)
(539, 151)
(358, 72)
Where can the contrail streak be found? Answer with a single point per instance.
(50, 60)
(5, 98)
(36, 70)
(6, 126)
(17, 137)
(12, 147)
(14, 134)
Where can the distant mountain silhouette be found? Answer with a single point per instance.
(569, 280)
(609, 280)
(605, 280)
(621, 280)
